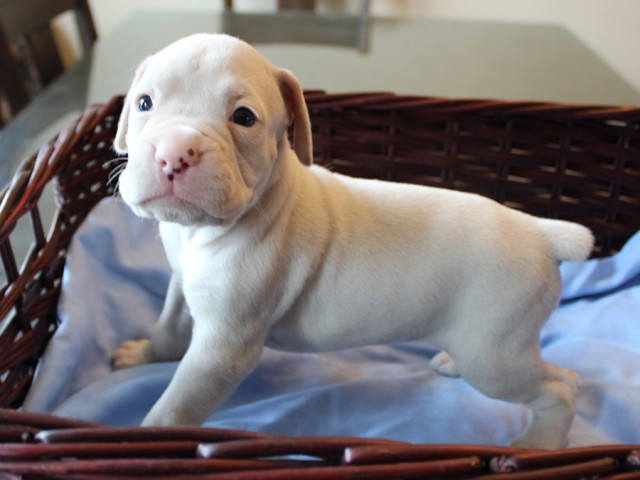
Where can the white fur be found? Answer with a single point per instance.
(269, 250)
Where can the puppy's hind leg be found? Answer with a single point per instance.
(553, 408)
(519, 375)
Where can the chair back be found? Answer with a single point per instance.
(29, 56)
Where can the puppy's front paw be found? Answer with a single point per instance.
(131, 353)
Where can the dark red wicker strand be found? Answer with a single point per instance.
(84, 450)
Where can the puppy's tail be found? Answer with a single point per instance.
(568, 241)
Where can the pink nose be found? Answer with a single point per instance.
(176, 156)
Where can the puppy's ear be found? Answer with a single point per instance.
(120, 140)
(298, 113)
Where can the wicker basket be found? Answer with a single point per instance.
(574, 162)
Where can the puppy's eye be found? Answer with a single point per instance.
(244, 117)
(145, 104)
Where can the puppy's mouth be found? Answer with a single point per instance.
(168, 207)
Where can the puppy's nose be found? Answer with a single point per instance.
(176, 156)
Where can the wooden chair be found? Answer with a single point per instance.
(302, 5)
(25, 30)
(283, 4)
(351, 31)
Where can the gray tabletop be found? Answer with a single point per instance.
(407, 56)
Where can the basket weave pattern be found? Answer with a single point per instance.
(580, 163)
(77, 161)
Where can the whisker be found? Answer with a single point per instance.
(114, 175)
(116, 160)
(259, 209)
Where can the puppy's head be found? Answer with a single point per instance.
(204, 124)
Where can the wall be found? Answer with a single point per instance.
(611, 28)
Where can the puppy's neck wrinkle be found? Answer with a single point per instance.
(274, 203)
(271, 204)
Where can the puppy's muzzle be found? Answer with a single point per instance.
(176, 154)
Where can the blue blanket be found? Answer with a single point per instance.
(113, 290)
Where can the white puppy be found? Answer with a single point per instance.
(267, 249)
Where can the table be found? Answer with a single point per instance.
(408, 56)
